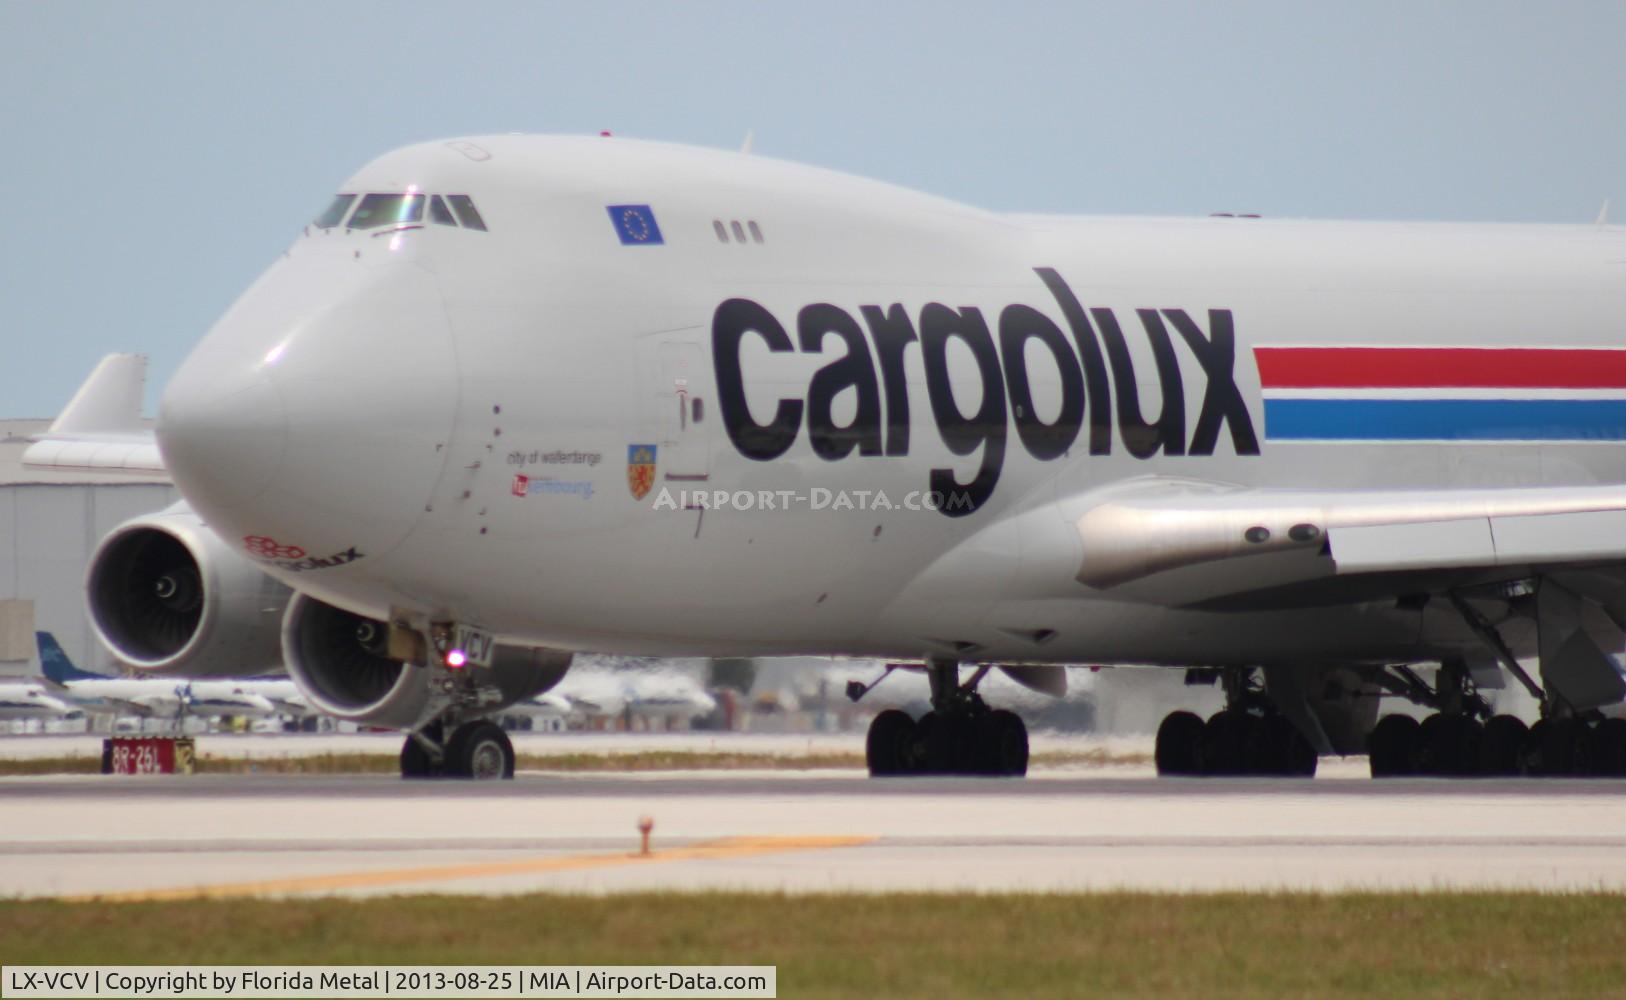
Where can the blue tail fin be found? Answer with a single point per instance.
(54, 663)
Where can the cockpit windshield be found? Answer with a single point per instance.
(371, 211)
(463, 205)
(439, 214)
(387, 210)
(335, 212)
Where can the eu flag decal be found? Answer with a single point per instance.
(635, 224)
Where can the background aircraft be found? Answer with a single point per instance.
(630, 695)
(21, 700)
(148, 697)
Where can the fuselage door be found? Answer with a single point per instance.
(683, 403)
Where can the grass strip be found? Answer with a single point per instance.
(905, 945)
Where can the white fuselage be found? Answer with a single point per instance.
(442, 422)
(31, 701)
(631, 694)
(159, 698)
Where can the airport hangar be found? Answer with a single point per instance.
(50, 523)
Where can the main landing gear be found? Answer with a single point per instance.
(961, 735)
(477, 749)
(1250, 736)
(1463, 740)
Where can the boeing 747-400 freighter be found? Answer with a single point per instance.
(511, 398)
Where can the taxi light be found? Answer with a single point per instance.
(456, 658)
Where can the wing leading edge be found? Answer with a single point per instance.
(1156, 526)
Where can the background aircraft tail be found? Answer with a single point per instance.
(54, 662)
(109, 401)
(101, 427)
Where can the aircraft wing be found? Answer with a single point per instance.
(1192, 541)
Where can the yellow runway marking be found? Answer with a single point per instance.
(728, 847)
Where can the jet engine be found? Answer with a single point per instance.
(167, 596)
(342, 665)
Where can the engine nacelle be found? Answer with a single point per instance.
(340, 662)
(167, 596)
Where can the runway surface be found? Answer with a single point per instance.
(158, 837)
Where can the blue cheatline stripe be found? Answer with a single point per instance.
(1445, 419)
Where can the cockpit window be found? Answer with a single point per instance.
(376, 210)
(439, 214)
(335, 212)
(463, 205)
(387, 210)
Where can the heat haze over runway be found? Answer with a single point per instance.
(236, 835)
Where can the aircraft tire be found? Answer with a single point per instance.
(1178, 737)
(1500, 745)
(1448, 746)
(1425, 755)
(1302, 758)
(951, 744)
(1223, 745)
(1606, 749)
(1552, 748)
(1002, 744)
(889, 746)
(416, 763)
(1390, 746)
(1294, 756)
(1269, 747)
(480, 751)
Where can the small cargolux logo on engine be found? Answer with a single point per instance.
(269, 548)
(293, 558)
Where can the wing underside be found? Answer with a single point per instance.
(1543, 553)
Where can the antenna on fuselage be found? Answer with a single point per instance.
(1603, 215)
(750, 138)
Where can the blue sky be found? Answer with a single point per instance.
(158, 155)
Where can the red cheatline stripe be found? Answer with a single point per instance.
(1439, 368)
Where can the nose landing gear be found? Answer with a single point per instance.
(477, 749)
(961, 735)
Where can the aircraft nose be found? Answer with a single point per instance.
(309, 427)
(223, 432)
